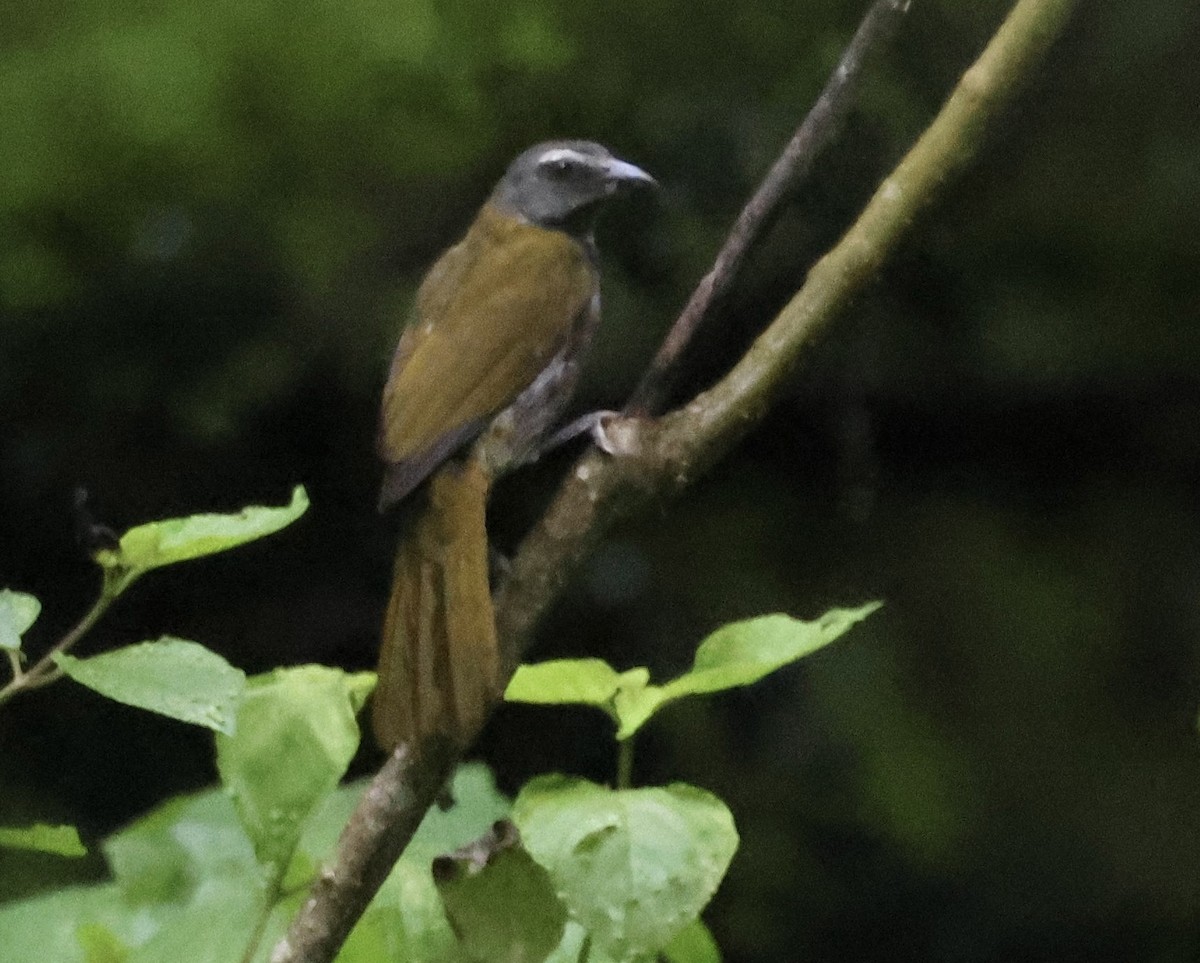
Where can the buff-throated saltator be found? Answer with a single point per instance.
(482, 373)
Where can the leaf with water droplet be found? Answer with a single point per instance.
(296, 734)
(633, 866)
(173, 677)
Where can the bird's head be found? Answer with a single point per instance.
(561, 183)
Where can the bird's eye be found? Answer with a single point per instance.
(560, 164)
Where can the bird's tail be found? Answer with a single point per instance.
(439, 664)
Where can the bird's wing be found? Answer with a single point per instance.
(492, 313)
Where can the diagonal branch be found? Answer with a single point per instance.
(818, 129)
(660, 458)
(663, 456)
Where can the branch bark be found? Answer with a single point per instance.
(388, 814)
(660, 457)
(818, 129)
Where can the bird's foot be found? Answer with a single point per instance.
(594, 423)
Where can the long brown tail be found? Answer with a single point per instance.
(439, 665)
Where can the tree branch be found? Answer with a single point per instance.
(388, 814)
(790, 168)
(661, 457)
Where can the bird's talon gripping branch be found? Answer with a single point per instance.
(602, 438)
(594, 423)
(615, 433)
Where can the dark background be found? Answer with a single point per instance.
(213, 216)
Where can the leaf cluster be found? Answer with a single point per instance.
(569, 870)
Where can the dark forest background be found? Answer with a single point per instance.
(214, 214)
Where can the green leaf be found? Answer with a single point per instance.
(189, 883)
(570, 950)
(187, 886)
(300, 873)
(18, 611)
(60, 926)
(172, 540)
(379, 936)
(633, 866)
(477, 805)
(737, 655)
(693, 944)
(500, 903)
(633, 706)
(405, 923)
(100, 944)
(163, 856)
(589, 682)
(173, 677)
(296, 734)
(743, 652)
(59, 840)
(214, 926)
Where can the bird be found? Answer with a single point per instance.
(481, 376)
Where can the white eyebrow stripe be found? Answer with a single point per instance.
(556, 154)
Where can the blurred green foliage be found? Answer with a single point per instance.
(212, 215)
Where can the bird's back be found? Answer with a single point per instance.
(489, 317)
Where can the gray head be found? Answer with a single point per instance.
(561, 183)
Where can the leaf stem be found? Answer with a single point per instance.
(44, 671)
(14, 662)
(585, 948)
(274, 892)
(625, 763)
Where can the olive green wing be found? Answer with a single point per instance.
(490, 316)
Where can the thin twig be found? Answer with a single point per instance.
(661, 457)
(14, 663)
(44, 671)
(818, 129)
(271, 894)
